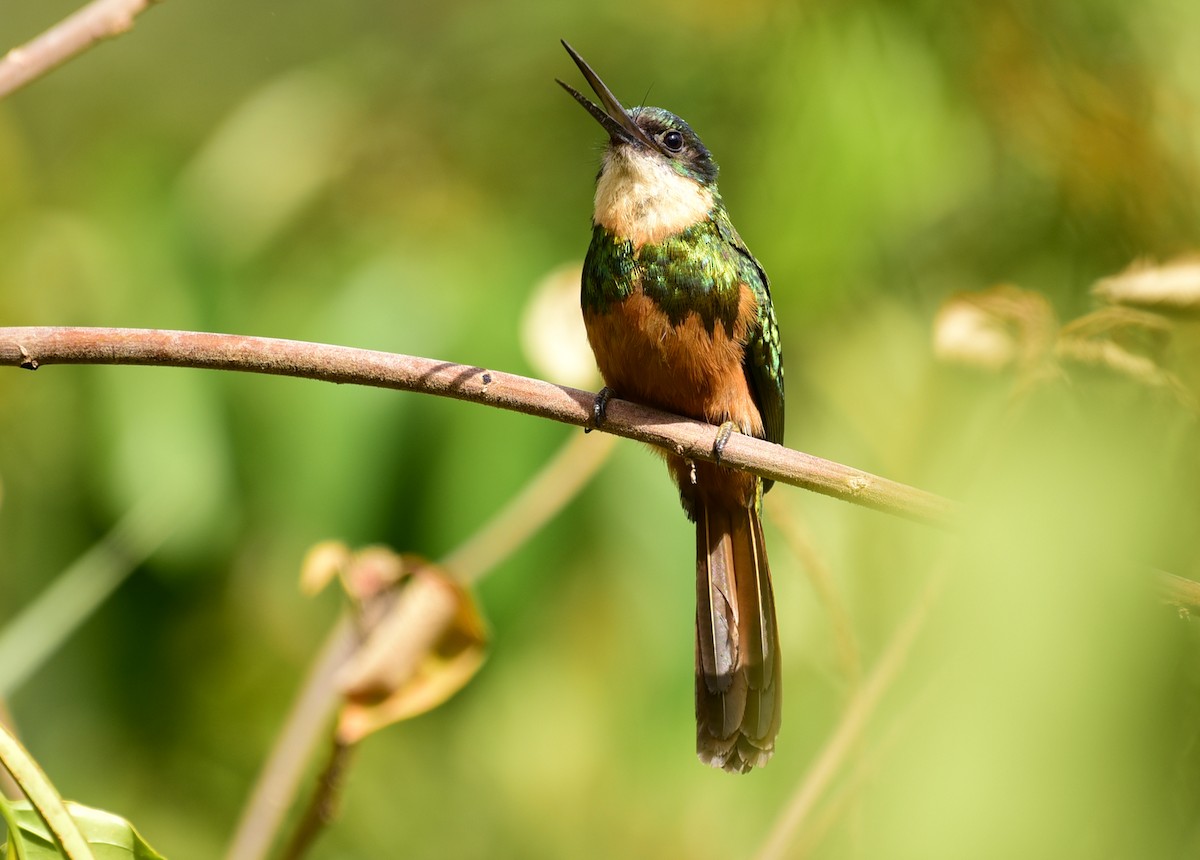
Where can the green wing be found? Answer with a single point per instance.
(763, 363)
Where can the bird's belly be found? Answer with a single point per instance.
(687, 368)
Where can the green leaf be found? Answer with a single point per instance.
(110, 836)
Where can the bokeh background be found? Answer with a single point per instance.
(402, 176)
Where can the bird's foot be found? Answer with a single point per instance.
(723, 433)
(599, 409)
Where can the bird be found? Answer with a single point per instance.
(679, 316)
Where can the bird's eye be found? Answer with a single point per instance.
(673, 141)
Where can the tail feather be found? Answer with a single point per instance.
(738, 694)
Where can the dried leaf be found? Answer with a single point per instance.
(1173, 287)
(374, 570)
(1135, 331)
(1127, 342)
(321, 564)
(424, 641)
(1000, 328)
(423, 637)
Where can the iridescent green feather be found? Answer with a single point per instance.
(609, 271)
(699, 270)
(764, 355)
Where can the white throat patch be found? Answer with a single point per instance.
(640, 197)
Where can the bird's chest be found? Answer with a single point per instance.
(658, 345)
(692, 272)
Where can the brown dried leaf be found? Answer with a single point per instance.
(1173, 287)
(422, 635)
(1127, 342)
(430, 687)
(321, 564)
(1134, 331)
(1000, 328)
(374, 570)
(427, 643)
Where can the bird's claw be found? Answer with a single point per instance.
(723, 433)
(599, 409)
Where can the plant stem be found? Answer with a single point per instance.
(31, 347)
(43, 796)
(41, 627)
(95, 22)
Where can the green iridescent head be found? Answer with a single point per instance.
(648, 129)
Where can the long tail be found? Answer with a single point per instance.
(738, 692)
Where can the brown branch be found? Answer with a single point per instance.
(322, 806)
(31, 347)
(95, 22)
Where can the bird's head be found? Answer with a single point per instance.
(654, 163)
(649, 132)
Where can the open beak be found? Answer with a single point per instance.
(616, 120)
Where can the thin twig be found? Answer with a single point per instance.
(95, 22)
(853, 722)
(546, 493)
(44, 797)
(15, 841)
(306, 723)
(40, 628)
(1180, 592)
(322, 806)
(32, 347)
(864, 768)
(797, 537)
(542, 497)
(8, 785)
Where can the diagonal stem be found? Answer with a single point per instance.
(95, 22)
(43, 797)
(854, 721)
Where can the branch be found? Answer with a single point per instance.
(322, 806)
(99, 20)
(542, 497)
(31, 347)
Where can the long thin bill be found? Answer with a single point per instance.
(614, 128)
(612, 107)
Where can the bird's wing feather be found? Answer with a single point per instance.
(763, 363)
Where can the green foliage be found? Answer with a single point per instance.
(109, 836)
(399, 176)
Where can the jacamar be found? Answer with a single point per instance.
(678, 313)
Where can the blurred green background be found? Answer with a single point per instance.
(401, 176)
